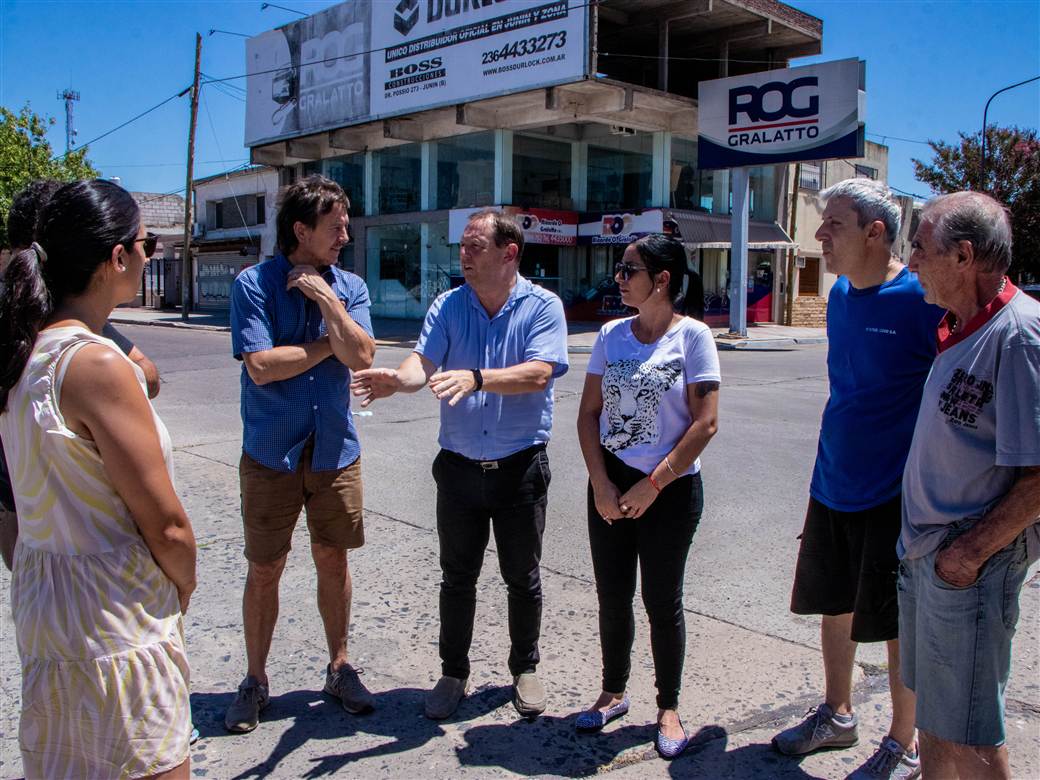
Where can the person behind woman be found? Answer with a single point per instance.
(104, 565)
(648, 409)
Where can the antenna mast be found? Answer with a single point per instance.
(69, 96)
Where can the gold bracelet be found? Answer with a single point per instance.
(668, 463)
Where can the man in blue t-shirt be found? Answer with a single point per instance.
(881, 337)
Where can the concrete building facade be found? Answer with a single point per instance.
(599, 160)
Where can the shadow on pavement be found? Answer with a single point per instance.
(316, 716)
(548, 746)
(707, 757)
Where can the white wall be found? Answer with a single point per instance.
(263, 182)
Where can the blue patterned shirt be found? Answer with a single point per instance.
(459, 334)
(279, 417)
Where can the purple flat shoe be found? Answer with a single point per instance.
(594, 720)
(671, 748)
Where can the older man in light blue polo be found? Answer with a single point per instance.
(498, 342)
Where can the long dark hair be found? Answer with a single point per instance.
(76, 232)
(663, 253)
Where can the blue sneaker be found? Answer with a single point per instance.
(594, 720)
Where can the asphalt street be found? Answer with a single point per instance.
(752, 667)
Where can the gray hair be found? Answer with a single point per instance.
(871, 200)
(974, 217)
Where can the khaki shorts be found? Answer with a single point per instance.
(272, 500)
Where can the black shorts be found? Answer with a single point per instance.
(847, 563)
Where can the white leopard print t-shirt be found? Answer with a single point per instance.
(645, 410)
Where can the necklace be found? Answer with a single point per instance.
(957, 323)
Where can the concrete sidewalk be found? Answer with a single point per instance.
(580, 335)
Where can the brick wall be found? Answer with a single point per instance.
(809, 311)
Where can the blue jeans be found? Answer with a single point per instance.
(955, 643)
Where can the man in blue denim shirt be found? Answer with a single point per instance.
(300, 325)
(499, 341)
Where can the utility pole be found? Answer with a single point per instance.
(69, 96)
(186, 291)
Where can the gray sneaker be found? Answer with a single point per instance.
(528, 695)
(889, 762)
(244, 713)
(444, 699)
(820, 730)
(346, 686)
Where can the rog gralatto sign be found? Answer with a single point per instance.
(369, 59)
(809, 113)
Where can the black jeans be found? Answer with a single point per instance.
(470, 500)
(660, 542)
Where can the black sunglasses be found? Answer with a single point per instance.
(626, 270)
(150, 242)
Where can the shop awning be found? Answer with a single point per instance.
(711, 231)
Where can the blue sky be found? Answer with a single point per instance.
(930, 68)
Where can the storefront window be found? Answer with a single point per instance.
(399, 179)
(714, 270)
(690, 188)
(349, 173)
(466, 171)
(408, 267)
(620, 171)
(541, 173)
(761, 192)
(394, 270)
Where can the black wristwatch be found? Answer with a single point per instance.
(478, 378)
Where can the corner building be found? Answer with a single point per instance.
(579, 117)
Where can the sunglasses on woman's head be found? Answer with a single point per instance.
(626, 270)
(150, 242)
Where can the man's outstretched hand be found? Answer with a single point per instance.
(373, 383)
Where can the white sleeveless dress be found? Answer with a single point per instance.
(98, 623)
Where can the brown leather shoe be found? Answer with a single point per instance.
(528, 695)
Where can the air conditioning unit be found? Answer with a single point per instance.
(198, 230)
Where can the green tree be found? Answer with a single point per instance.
(1012, 176)
(25, 155)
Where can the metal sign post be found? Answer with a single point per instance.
(738, 265)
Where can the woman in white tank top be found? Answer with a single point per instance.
(105, 560)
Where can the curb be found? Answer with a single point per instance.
(778, 343)
(169, 324)
(576, 349)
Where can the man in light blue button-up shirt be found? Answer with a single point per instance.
(489, 351)
(299, 325)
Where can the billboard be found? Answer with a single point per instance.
(368, 59)
(814, 112)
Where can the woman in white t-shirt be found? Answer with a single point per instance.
(648, 410)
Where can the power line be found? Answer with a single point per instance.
(127, 122)
(166, 164)
(911, 194)
(884, 137)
